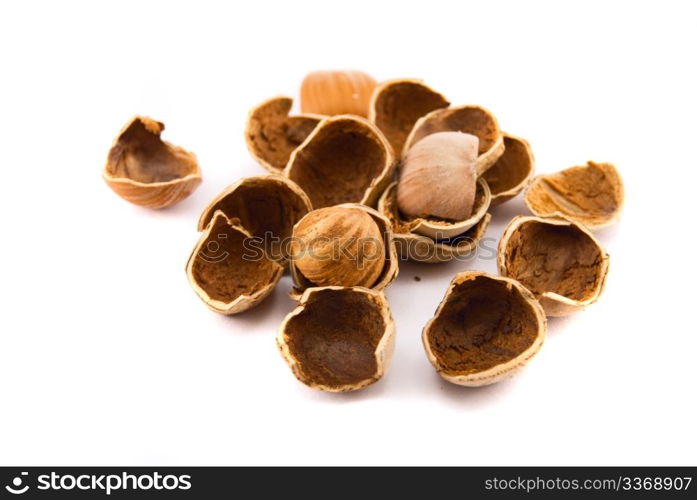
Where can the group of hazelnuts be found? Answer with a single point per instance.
(367, 174)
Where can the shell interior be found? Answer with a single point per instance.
(483, 323)
(224, 268)
(591, 194)
(266, 206)
(138, 154)
(335, 336)
(560, 259)
(512, 169)
(340, 162)
(397, 105)
(272, 135)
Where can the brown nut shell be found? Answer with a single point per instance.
(592, 194)
(223, 275)
(470, 119)
(485, 330)
(421, 248)
(346, 159)
(147, 171)
(272, 135)
(558, 260)
(387, 270)
(338, 339)
(337, 93)
(267, 206)
(396, 105)
(512, 171)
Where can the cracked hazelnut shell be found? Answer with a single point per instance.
(485, 329)
(271, 133)
(592, 194)
(512, 171)
(147, 171)
(558, 260)
(469, 119)
(396, 105)
(420, 248)
(345, 159)
(328, 243)
(338, 339)
(267, 206)
(345, 92)
(221, 272)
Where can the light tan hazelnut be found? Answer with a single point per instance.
(438, 177)
(336, 92)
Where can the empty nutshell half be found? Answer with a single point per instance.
(485, 329)
(336, 92)
(558, 260)
(343, 245)
(512, 171)
(223, 272)
(272, 133)
(396, 105)
(592, 194)
(344, 160)
(267, 206)
(147, 171)
(469, 119)
(338, 339)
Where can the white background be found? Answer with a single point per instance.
(108, 357)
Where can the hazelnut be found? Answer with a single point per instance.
(512, 171)
(344, 160)
(338, 339)
(396, 105)
(592, 194)
(147, 171)
(344, 245)
(470, 119)
(558, 260)
(485, 329)
(267, 206)
(336, 93)
(272, 135)
(223, 275)
(438, 178)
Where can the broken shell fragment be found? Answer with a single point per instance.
(147, 171)
(396, 105)
(272, 135)
(344, 160)
(592, 194)
(469, 119)
(485, 329)
(268, 206)
(559, 261)
(439, 248)
(343, 245)
(224, 273)
(512, 171)
(336, 93)
(338, 339)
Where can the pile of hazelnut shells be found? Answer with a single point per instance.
(366, 175)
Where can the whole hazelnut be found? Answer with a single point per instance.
(340, 246)
(439, 178)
